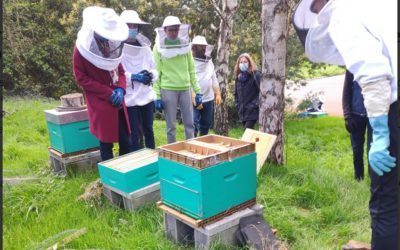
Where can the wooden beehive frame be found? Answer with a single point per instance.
(206, 151)
(193, 155)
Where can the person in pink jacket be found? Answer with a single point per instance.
(97, 69)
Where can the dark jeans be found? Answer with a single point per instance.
(123, 140)
(357, 139)
(203, 118)
(384, 197)
(249, 124)
(141, 119)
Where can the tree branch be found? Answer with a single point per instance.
(217, 9)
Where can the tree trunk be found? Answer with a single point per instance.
(272, 101)
(226, 13)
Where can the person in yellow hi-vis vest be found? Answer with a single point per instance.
(177, 76)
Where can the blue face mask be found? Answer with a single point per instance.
(133, 33)
(243, 67)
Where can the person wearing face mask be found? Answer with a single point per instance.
(140, 70)
(177, 76)
(365, 42)
(247, 90)
(97, 69)
(207, 80)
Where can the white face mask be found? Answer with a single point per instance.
(243, 67)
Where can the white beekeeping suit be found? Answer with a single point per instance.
(361, 34)
(136, 59)
(355, 34)
(205, 70)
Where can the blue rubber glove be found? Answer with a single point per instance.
(378, 155)
(159, 105)
(198, 99)
(143, 76)
(117, 97)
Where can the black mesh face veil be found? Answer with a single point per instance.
(302, 19)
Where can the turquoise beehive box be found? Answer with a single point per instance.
(206, 176)
(130, 172)
(69, 131)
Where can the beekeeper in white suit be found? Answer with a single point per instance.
(140, 72)
(207, 80)
(361, 34)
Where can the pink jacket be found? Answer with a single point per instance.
(97, 87)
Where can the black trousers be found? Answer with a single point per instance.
(249, 124)
(141, 119)
(124, 141)
(357, 139)
(383, 203)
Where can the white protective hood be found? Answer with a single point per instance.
(136, 59)
(319, 46)
(107, 24)
(169, 51)
(204, 70)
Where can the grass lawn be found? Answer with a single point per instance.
(312, 200)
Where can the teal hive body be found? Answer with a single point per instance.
(130, 172)
(69, 131)
(202, 193)
(71, 137)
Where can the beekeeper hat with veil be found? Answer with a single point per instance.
(137, 43)
(100, 40)
(172, 39)
(201, 51)
(313, 31)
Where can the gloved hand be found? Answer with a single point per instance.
(218, 99)
(378, 155)
(193, 99)
(198, 99)
(117, 97)
(143, 76)
(350, 125)
(159, 105)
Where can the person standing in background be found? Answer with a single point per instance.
(140, 70)
(356, 122)
(207, 80)
(247, 90)
(177, 76)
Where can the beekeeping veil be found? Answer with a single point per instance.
(202, 55)
(131, 16)
(168, 47)
(100, 38)
(313, 31)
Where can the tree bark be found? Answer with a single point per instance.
(272, 102)
(226, 14)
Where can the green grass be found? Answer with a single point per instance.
(313, 200)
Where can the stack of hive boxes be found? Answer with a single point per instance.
(71, 142)
(208, 177)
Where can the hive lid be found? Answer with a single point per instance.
(58, 117)
(264, 143)
(132, 161)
